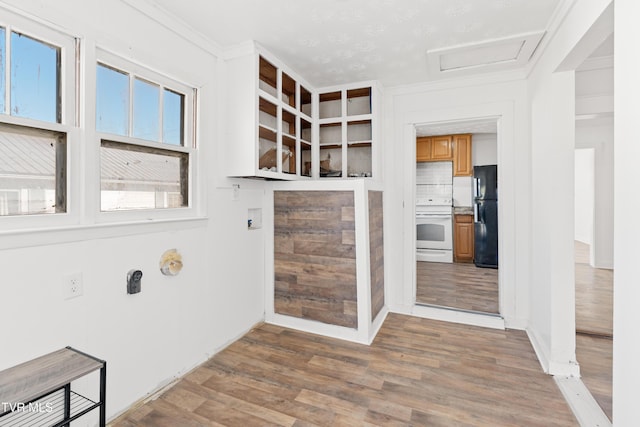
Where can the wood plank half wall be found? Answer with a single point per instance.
(315, 256)
(376, 252)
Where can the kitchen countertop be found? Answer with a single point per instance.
(462, 210)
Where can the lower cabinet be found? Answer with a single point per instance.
(463, 236)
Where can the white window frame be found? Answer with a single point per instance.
(189, 147)
(68, 44)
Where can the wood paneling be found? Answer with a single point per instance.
(457, 285)
(376, 252)
(417, 372)
(315, 256)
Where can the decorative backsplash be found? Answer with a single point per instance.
(434, 179)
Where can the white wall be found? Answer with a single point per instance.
(175, 322)
(594, 87)
(584, 195)
(485, 149)
(552, 97)
(626, 316)
(419, 104)
(599, 137)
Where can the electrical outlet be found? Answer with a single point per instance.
(72, 285)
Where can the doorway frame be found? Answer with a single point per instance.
(503, 113)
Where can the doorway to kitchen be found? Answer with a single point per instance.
(594, 222)
(456, 221)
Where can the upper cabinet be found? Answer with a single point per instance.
(462, 163)
(280, 127)
(270, 119)
(441, 148)
(455, 148)
(347, 130)
(423, 149)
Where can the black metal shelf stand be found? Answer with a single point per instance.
(38, 392)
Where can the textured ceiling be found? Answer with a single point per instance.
(340, 41)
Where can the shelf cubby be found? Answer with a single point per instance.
(359, 101)
(305, 101)
(288, 90)
(268, 81)
(330, 105)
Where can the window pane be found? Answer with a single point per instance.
(172, 118)
(146, 110)
(112, 101)
(3, 80)
(133, 177)
(32, 166)
(35, 79)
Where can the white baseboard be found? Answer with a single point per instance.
(584, 406)
(455, 316)
(549, 366)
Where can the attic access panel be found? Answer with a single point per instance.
(491, 55)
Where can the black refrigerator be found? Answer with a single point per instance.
(485, 215)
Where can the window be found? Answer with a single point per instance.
(145, 148)
(134, 177)
(33, 173)
(35, 86)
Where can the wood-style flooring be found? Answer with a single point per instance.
(417, 372)
(594, 327)
(594, 295)
(462, 286)
(595, 356)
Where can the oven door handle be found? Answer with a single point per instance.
(433, 216)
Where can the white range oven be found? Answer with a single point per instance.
(434, 229)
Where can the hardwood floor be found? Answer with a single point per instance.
(417, 372)
(594, 295)
(461, 286)
(595, 356)
(594, 327)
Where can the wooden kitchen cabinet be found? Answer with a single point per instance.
(463, 236)
(434, 148)
(462, 164)
(423, 149)
(456, 148)
(441, 148)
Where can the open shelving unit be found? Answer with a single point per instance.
(346, 132)
(283, 128)
(285, 117)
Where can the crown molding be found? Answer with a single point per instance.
(175, 25)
